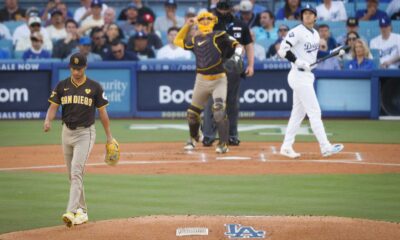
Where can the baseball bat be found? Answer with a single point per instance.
(333, 53)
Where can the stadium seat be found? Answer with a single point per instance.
(396, 26)
(45, 60)
(289, 23)
(266, 43)
(375, 56)
(369, 29)
(12, 25)
(337, 28)
(6, 44)
(18, 54)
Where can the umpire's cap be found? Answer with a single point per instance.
(77, 60)
(308, 7)
(224, 5)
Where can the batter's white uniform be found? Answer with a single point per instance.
(304, 44)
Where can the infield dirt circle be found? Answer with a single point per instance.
(249, 158)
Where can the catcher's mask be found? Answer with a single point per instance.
(206, 22)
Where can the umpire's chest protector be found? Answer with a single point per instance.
(207, 52)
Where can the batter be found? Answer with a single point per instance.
(300, 47)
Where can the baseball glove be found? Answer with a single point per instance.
(234, 64)
(112, 153)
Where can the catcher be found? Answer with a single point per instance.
(79, 97)
(210, 48)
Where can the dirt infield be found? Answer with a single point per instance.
(248, 159)
(274, 227)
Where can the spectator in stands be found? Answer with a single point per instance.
(290, 11)
(331, 11)
(246, 14)
(351, 26)
(282, 32)
(4, 32)
(350, 41)
(153, 40)
(141, 47)
(23, 31)
(259, 51)
(190, 13)
(113, 32)
(98, 40)
(330, 63)
(63, 47)
(388, 44)
(36, 50)
(325, 33)
(360, 55)
(11, 11)
(109, 18)
(24, 42)
(118, 53)
(84, 47)
(131, 17)
(85, 10)
(163, 23)
(393, 10)
(57, 28)
(171, 51)
(51, 6)
(273, 54)
(267, 30)
(371, 13)
(4, 54)
(257, 8)
(142, 10)
(95, 19)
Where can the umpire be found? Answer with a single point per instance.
(237, 29)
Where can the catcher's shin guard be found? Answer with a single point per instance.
(221, 120)
(193, 117)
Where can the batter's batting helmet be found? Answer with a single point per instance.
(307, 7)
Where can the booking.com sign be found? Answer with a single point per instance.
(168, 95)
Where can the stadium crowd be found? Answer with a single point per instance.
(137, 32)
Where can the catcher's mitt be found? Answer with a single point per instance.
(112, 153)
(234, 64)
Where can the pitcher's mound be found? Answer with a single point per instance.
(219, 227)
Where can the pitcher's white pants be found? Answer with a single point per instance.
(304, 102)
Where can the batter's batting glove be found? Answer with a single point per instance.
(305, 66)
(234, 64)
(112, 153)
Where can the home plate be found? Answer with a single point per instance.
(233, 158)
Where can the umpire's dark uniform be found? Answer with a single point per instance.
(237, 29)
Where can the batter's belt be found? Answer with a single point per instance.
(213, 76)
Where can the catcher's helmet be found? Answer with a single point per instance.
(307, 7)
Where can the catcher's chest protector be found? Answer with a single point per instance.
(206, 51)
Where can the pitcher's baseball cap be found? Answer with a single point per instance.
(171, 3)
(224, 5)
(77, 60)
(384, 22)
(96, 3)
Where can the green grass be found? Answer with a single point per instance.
(33, 200)
(19, 133)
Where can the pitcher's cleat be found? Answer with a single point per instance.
(289, 152)
(80, 217)
(222, 148)
(68, 218)
(332, 149)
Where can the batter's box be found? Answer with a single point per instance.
(315, 156)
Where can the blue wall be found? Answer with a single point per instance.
(163, 89)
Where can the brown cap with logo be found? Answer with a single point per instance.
(77, 60)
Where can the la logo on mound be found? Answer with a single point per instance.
(239, 231)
